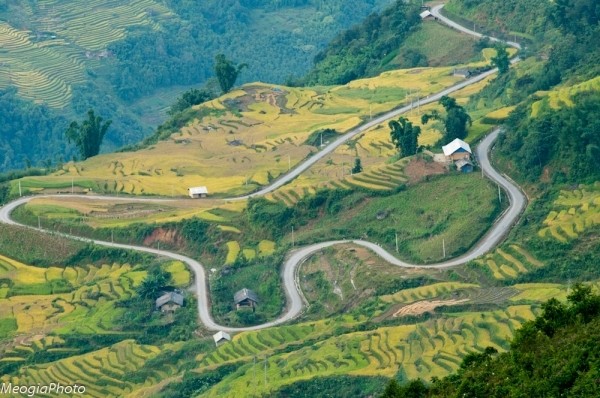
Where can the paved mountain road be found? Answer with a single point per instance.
(295, 302)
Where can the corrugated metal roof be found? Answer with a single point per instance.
(426, 14)
(172, 297)
(198, 190)
(462, 163)
(245, 294)
(221, 336)
(455, 146)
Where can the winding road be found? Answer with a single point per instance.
(295, 301)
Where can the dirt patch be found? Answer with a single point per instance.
(165, 236)
(422, 307)
(418, 170)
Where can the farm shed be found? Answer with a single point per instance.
(221, 338)
(169, 302)
(461, 73)
(427, 15)
(245, 298)
(457, 150)
(198, 192)
(464, 165)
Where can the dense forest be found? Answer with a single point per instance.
(142, 71)
(365, 49)
(29, 133)
(564, 143)
(555, 355)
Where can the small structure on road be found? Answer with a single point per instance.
(169, 302)
(245, 298)
(427, 15)
(457, 150)
(221, 338)
(464, 166)
(198, 192)
(465, 73)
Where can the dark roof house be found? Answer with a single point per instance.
(464, 165)
(245, 298)
(169, 301)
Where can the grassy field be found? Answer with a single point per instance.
(445, 46)
(455, 209)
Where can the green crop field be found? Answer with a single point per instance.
(432, 348)
(574, 212)
(509, 262)
(100, 371)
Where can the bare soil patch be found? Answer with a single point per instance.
(418, 170)
(422, 307)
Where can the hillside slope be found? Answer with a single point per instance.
(127, 60)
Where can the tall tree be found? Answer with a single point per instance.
(500, 60)
(455, 122)
(227, 72)
(357, 166)
(405, 136)
(88, 135)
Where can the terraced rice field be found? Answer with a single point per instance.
(574, 212)
(100, 371)
(65, 299)
(560, 97)
(509, 262)
(66, 37)
(253, 135)
(443, 289)
(433, 348)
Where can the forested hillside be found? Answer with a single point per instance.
(129, 60)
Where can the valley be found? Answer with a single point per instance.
(363, 264)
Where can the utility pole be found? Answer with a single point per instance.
(39, 222)
(20, 193)
(499, 194)
(112, 238)
(444, 247)
(397, 251)
(293, 240)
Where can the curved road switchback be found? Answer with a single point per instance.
(295, 301)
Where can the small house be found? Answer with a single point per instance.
(426, 15)
(245, 298)
(198, 192)
(464, 166)
(221, 338)
(457, 150)
(464, 73)
(169, 302)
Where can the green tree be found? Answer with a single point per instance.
(88, 135)
(227, 72)
(500, 60)
(190, 98)
(156, 280)
(405, 136)
(455, 122)
(357, 166)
